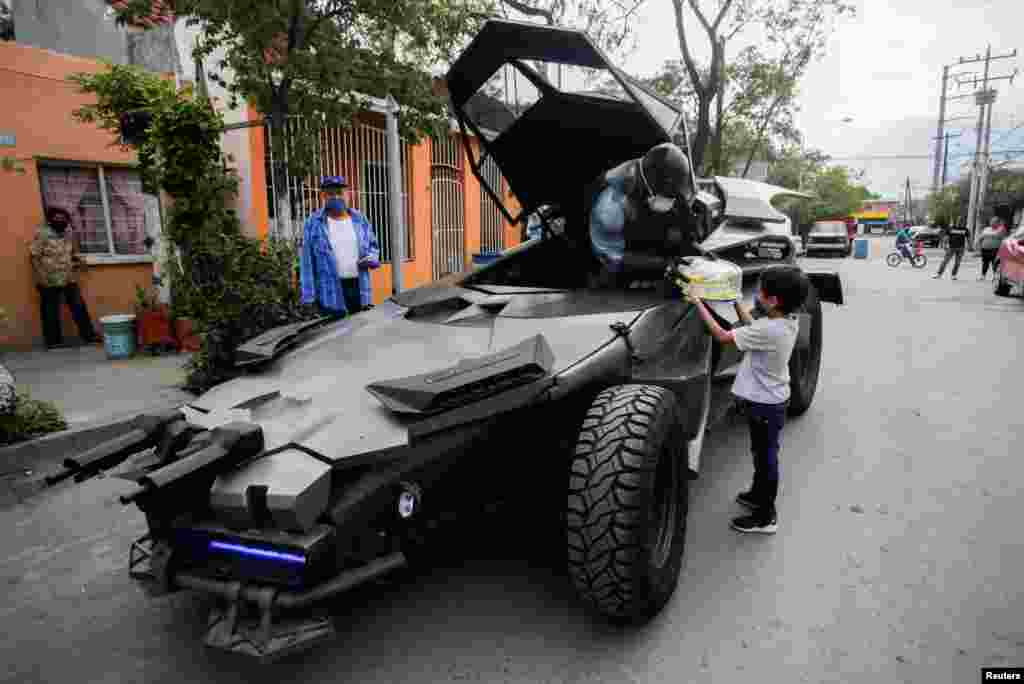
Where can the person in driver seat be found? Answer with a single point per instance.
(640, 216)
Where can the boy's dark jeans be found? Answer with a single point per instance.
(988, 256)
(765, 422)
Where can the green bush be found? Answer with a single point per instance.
(232, 287)
(32, 418)
(239, 289)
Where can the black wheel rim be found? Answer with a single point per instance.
(666, 503)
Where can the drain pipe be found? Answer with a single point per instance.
(289, 600)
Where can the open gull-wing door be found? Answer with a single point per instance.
(552, 112)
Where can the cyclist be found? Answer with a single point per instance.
(903, 241)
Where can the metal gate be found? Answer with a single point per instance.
(448, 207)
(360, 154)
(492, 225)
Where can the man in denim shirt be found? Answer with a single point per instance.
(339, 247)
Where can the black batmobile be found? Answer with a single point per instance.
(348, 442)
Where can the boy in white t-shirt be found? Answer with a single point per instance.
(762, 383)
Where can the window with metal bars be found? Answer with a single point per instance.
(492, 223)
(359, 154)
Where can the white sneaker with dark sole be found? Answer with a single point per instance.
(750, 523)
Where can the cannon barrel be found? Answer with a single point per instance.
(146, 431)
(227, 447)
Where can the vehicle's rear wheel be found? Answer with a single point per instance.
(627, 503)
(893, 259)
(805, 363)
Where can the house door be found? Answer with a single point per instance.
(448, 208)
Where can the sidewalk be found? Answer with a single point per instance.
(97, 396)
(89, 388)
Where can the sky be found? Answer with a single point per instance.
(883, 71)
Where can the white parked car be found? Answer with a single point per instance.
(831, 237)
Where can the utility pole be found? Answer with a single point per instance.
(983, 98)
(942, 123)
(945, 156)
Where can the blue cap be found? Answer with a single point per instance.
(333, 182)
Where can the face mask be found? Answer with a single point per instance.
(659, 204)
(656, 203)
(336, 204)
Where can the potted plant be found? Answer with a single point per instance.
(188, 339)
(154, 324)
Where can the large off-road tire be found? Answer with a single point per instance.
(805, 364)
(628, 501)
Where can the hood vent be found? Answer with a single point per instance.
(467, 381)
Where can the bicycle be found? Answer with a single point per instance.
(917, 260)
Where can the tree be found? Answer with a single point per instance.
(944, 205)
(835, 190)
(795, 30)
(231, 286)
(319, 60)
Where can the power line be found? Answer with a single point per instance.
(884, 157)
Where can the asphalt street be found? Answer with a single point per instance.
(899, 558)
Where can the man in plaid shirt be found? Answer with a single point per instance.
(339, 247)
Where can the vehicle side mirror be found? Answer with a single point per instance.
(707, 210)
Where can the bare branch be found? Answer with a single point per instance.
(691, 65)
(721, 14)
(703, 21)
(529, 10)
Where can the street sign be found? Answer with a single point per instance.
(8, 140)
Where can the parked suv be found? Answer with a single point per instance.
(829, 236)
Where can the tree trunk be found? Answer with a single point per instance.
(700, 142)
(719, 109)
(718, 138)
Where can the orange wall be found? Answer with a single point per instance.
(37, 108)
(258, 219)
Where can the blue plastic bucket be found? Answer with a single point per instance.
(860, 249)
(119, 335)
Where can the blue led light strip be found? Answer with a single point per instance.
(258, 553)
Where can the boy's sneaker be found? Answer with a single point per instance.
(755, 523)
(746, 500)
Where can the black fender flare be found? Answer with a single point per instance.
(828, 285)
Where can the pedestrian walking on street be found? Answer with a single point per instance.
(956, 242)
(762, 384)
(988, 243)
(57, 266)
(339, 247)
